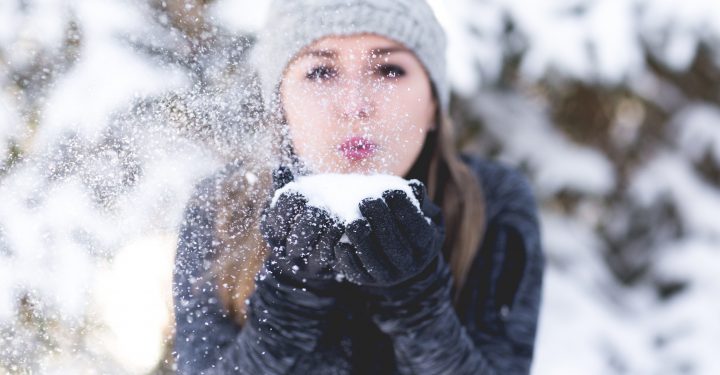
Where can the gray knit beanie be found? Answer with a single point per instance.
(294, 24)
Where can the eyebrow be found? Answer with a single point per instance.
(375, 52)
(387, 51)
(319, 53)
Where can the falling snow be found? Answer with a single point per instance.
(111, 111)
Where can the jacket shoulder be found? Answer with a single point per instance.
(502, 294)
(506, 188)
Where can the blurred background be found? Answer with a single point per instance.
(111, 110)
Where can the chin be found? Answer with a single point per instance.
(375, 170)
(366, 166)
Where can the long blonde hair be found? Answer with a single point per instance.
(450, 183)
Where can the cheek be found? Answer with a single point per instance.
(407, 153)
(308, 137)
(416, 102)
(411, 110)
(306, 116)
(300, 102)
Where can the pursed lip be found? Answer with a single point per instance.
(357, 148)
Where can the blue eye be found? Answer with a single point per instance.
(321, 73)
(391, 71)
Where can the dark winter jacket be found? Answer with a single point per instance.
(491, 331)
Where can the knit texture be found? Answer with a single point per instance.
(491, 330)
(294, 24)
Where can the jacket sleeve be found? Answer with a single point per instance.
(283, 323)
(492, 330)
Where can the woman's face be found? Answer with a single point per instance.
(357, 104)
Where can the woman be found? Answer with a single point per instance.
(358, 86)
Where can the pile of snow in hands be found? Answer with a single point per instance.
(341, 194)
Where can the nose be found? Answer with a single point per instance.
(356, 101)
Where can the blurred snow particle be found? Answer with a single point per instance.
(530, 138)
(240, 16)
(697, 131)
(670, 175)
(133, 299)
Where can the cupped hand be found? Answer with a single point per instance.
(394, 241)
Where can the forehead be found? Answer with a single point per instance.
(352, 44)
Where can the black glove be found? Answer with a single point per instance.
(301, 238)
(394, 241)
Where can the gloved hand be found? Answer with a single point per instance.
(294, 295)
(394, 241)
(301, 238)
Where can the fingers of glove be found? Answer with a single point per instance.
(322, 256)
(277, 261)
(278, 219)
(419, 190)
(412, 223)
(386, 233)
(290, 203)
(366, 249)
(350, 266)
(304, 233)
(428, 208)
(330, 237)
(281, 177)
